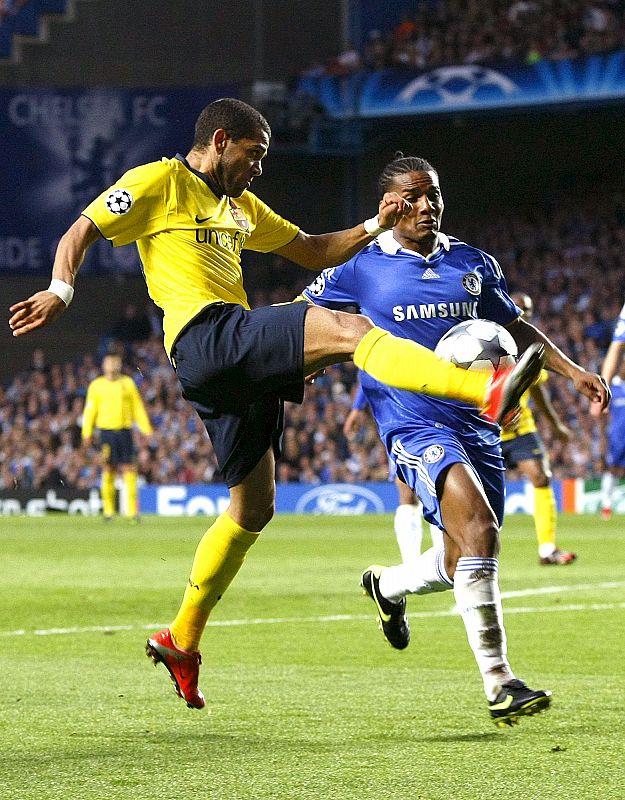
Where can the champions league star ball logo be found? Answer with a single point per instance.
(317, 287)
(458, 85)
(119, 201)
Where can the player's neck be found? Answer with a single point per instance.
(424, 247)
(201, 162)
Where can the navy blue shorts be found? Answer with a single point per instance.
(236, 368)
(117, 447)
(527, 447)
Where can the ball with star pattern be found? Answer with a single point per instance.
(478, 344)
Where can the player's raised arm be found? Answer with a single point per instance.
(589, 384)
(46, 306)
(317, 251)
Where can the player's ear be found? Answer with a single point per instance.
(220, 140)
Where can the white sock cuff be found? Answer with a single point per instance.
(477, 564)
(440, 568)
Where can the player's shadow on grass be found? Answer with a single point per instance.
(461, 737)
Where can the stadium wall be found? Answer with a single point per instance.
(186, 43)
(337, 499)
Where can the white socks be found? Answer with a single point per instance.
(426, 575)
(408, 531)
(476, 589)
(607, 485)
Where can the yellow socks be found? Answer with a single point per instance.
(132, 499)
(545, 519)
(404, 364)
(218, 558)
(107, 493)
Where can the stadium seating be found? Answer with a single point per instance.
(24, 19)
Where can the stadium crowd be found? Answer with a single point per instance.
(432, 33)
(570, 258)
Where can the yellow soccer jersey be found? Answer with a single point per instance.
(114, 405)
(526, 422)
(189, 240)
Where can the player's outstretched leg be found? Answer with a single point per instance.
(407, 365)
(392, 616)
(516, 700)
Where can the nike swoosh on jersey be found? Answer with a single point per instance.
(200, 220)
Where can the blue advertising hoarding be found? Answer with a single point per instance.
(470, 87)
(339, 499)
(62, 147)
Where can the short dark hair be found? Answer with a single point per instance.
(399, 166)
(238, 119)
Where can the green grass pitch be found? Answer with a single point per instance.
(305, 699)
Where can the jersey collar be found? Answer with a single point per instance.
(389, 245)
(197, 174)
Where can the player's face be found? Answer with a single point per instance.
(419, 229)
(240, 163)
(111, 366)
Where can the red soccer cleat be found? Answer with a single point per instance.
(509, 384)
(558, 557)
(606, 513)
(183, 667)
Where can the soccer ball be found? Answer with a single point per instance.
(478, 344)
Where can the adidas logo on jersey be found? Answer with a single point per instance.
(428, 274)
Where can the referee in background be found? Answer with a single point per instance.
(113, 405)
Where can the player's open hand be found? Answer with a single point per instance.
(595, 389)
(39, 310)
(392, 208)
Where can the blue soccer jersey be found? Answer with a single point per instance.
(619, 330)
(616, 426)
(420, 299)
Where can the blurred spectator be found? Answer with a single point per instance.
(451, 32)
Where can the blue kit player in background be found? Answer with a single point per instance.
(417, 283)
(613, 372)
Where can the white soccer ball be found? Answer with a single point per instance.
(478, 344)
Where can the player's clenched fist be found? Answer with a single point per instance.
(392, 208)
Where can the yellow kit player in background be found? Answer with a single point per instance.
(523, 448)
(113, 406)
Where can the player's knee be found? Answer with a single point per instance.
(481, 536)
(351, 328)
(255, 518)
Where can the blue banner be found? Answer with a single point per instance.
(62, 147)
(470, 87)
(339, 499)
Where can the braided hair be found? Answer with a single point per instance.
(399, 166)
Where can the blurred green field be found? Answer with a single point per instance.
(305, 699)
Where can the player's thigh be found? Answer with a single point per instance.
(468, 517)
(331, 336)
(252, 500)
(405, 495)
(425, 452)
